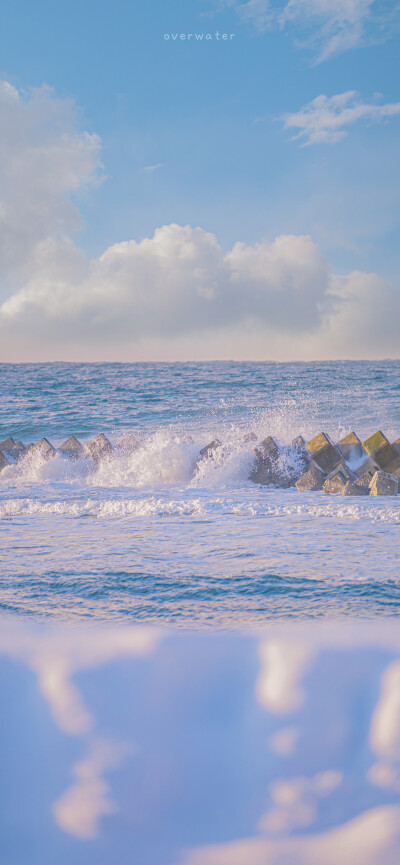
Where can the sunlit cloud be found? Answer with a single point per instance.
(56, 659)
(385, 732)
(295, 801)
(369, 838)
(283, 666)
(45, 158)
(56, 656)
(177, 295)
(385, 724)
(80, 808)
(284, 741)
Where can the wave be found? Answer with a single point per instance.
(203, 507)
(163, 459)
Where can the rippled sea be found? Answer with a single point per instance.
(159, 537)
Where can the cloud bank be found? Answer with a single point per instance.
(175, 295)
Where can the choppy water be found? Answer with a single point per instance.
(151, 537)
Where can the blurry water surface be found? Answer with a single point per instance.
(138, 745)
(157, 537)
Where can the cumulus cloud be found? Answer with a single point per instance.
(44, 160)
(280, 296)
(175, 295)
(326, 118)
(327, 26)
(178, 281)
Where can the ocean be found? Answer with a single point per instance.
(158, 536)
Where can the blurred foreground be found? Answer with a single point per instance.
(138, 745)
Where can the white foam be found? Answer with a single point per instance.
(205, 506)
(107, 508)
(165, 459)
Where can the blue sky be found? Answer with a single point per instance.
(211, 116)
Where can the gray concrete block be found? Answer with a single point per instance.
(375, 442)
(267, 449)
(369, 467)
(384, 454)
(337, 480)
(209, 450)
(99, 447)
(11, 449)
(313, 479)
(299, 446)
(3, 461)
(365, 479)
(350, 448)
(324, 453)
(271, 466)
(383, 484)
(73, 449)
(354, 489)
(7, 444)
(43, 447)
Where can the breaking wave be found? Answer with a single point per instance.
(372, 511)
(162, 460)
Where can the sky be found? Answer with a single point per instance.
(172, 197)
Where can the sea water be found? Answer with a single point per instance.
(140, 745)
(159, 537)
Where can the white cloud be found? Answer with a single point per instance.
(44, 160)
(368, 839)
(151, 168)
(385, 732)
(295, 801)
(326, 26)
(385, 725)
(79, 809)
(55, 657)
(284, 741)
(341, 24)
(283, 665)
(175, 295)
(326, 118)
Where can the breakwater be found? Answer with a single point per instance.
(349, 466)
